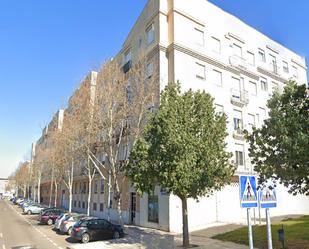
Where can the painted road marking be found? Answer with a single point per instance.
(44, 235)
(1, 235)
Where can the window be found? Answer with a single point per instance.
(262, 112)
(95, 187)
(264, 85)
(215, 45)
(149, 70)
(101, 207)
(273, 63)
(140, 42)
(94, 206)
(237, 121)
(200, 71)
(217, 77)
(127, 56)
(274, 86)
(199, 37)
(285, 67)
(76, 187)
(262, 55)
(219, 109)
(83, 205)
(239, 155)
(236, 88)
(111, 199)
(79, 204)
(252, 88)
(250, 58)
(251, 121)
(295, 72)
(237, 50)
(84, 187)
(150, 35)
(80, 188)
(153, 208)
(102, 186)
(74, 203)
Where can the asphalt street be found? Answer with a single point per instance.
(18, 231)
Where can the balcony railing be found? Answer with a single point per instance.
(239, 98)
(237, 61)
(239, 134)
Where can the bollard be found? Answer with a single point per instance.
(281, 236)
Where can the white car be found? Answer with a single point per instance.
(59, 220)
(33, 209)
(67, 224)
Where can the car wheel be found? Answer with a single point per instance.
(70, 231)
(85, 238)
(116, 235)
(50, 222)
(29, 212)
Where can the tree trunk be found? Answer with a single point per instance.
(56, 193)
(89, 194)
(109, 196)
(34, 193)
(71, 186)
(25, 191)
(119, 211)
(39, 189)
(185, 227)
(117, 195)
(51, 188)
(70, 198)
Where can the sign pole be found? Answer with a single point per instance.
(269, 239)
(249, 229)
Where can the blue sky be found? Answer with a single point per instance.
(47, 47)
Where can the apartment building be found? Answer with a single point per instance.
(47, 194)
(206, 48)
(3, 183)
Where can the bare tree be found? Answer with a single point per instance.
(21, 178)
(124, 97)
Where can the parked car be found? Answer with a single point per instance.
(26, 204)
(19, 200)
(49, 217)
(89, 229)
(67, 224)
(33, 209)
(60, 219)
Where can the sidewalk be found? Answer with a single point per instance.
(145, 238)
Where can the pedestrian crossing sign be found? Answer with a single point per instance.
(248, 191)
(268, 197)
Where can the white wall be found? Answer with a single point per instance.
(163, 211)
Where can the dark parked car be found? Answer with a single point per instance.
(49, 216)
(89, 229)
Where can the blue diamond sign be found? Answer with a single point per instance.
(248, 191)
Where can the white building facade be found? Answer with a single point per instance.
(205, 48)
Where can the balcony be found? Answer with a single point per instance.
(239, 62)
(239, 134)
(239, 98)
(274, 68)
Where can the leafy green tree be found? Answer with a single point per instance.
(182, 150)
(280, 148)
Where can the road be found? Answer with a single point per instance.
(18, 231)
